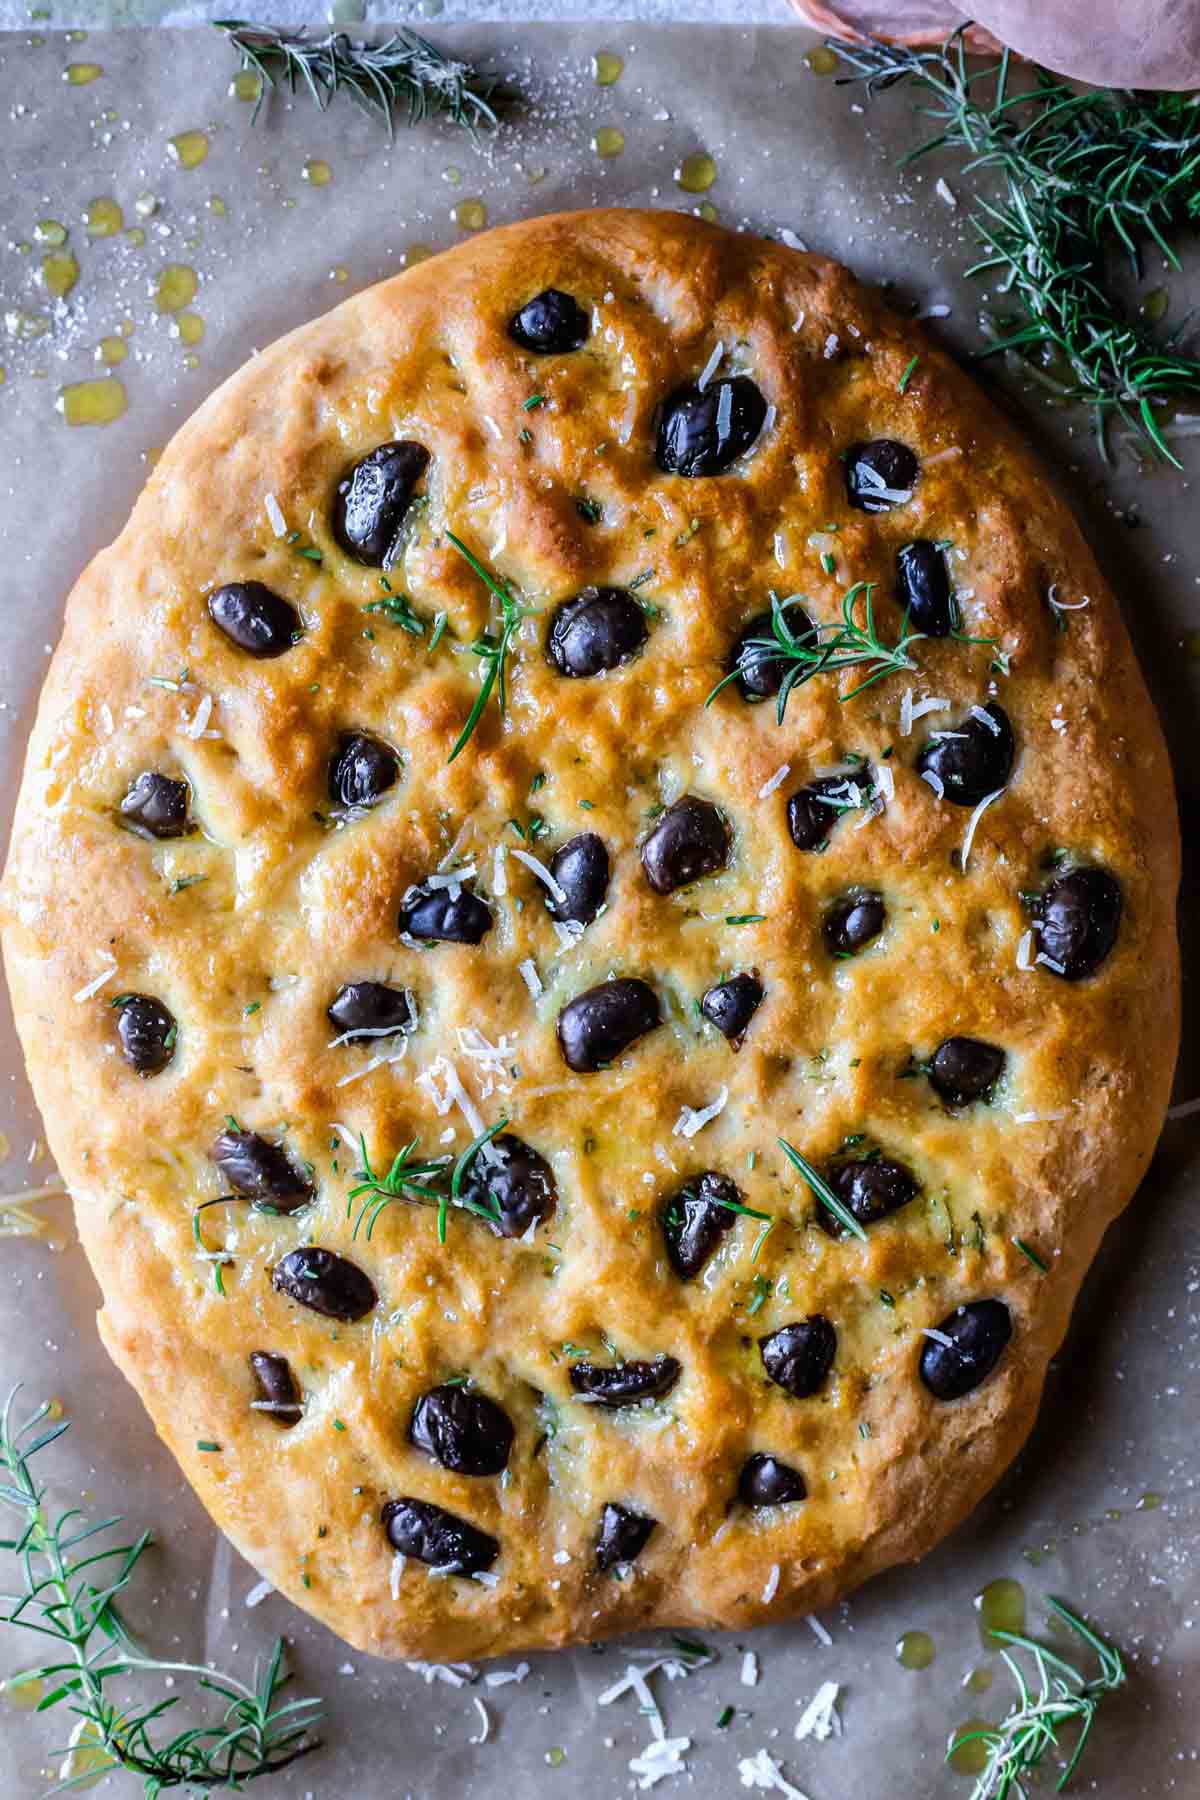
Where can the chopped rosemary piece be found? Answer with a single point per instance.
(908, 374)
(1064, 1697)
(404, 71)
(1031, 1255)
(405, 1180)
(461, 1167)
(829, 648)
(397, 610)
(71, 1599)
(822, 1190)
(1083, 173)
(492, 649)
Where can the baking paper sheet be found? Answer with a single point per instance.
(1122, 1410)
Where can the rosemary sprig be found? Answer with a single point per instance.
(1064, 1697)
(71, 1599)
(405, 1180)
(1083, 174)
(829, 648)
(489, 1211)
(822, 1190)
(492, 648)
(405, 71)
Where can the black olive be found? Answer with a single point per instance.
(765, 1481)
(277, 1386)
(978, 1333)
(962, 1069)
(625, 1384)
(702, 430)
(261, 1172)
(147, 1031)
(438, 916)
(880, 475)
(513, 1183)
(373, 500)
(595, 1027)
(853, 921)
(798, 1357)
(691, 839)
(551, 324)
(370, 1009)
(254, 618)
(325, 1283)
(814, 810)
(432, 1535)
(1076, 920)
(974, 759)
(923, 588)
(581, 869)
(361, 770)
(595, 631)
(730, 1005)
(462, 1430)
(623, 1535)
(760, 671)
(156, 806)
(869, 1190)
(696, 1218)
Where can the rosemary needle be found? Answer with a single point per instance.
(493, 650)
(405, 71)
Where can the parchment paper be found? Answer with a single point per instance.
(1121, 1414)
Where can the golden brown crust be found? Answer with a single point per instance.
(289, 909)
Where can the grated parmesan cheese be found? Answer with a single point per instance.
(711, 366)
(972, 822)
(691, 1121)
(1024, 961)
(198, 724)
(94, 986)
(527, 970)
(772, 1587)
(485, 1723)
(935, 781)
(749, 1669)
(453, 1674)
(259, 1593)
(658, 1760)
(499, 873)
(945, 192)
(397, 1570)
(781, 774)
(1037, 1118)
(763, 1772)
(820, 1718)
(274, 514)
(939, 1337)
(818, 1630)
(453, 1092)
(557, 892)
(503, 1677)
(724, 413)
(910, 712)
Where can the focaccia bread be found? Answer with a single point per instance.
(423, 1070)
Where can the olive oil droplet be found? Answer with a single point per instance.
(340, 274)
(112, 350)
(49, 231)
(188, 327)
(317, 173)
(189, 149)
(1001, 1607)
(246, 86)
(60, 272)
(978, 1681)
(103, 218)
(969, 1758)
(468, 215)
(608, 141)
(81, 74)
(452, 175)
(23, 1691)
(1149, 1503)
(1154, 305)
(607, 68)
(822, 60)
(96, 402)
(176, 288)
(915, 1650)
(708, 212)
(217, 206)
(417, 253)
(696, 173)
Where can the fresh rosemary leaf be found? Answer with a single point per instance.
(492, 649)
(822, 1190)
(407, 1179)
(71, 1599)
(397, 610)
(405, 72)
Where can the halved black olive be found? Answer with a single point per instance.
(962, 1069)
(765, 1481)
(157, 806)
(513, 1183)
(595, 1027)
(1076, 920)
(923, 588)
(798, 1357)
(977, 1334)
(814, 810)
(696, 1218)
(623, 1535)
(581, 869)
(432, 1535)
(869, 1190)
(361, 770)
(730, 1005)
(325, 1283)
(853, 921)
(463, 1430)
(972, 760)
(255, 619)
(551, 324)
(690, 840)
(597, 630)
(147, 1032)
(439, 916)
(259, 1171)
(760, 671)
(373, 499)
(627, 1383)
(277, 1387)
(880, 475)
(701, 431)
(370, 1009)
